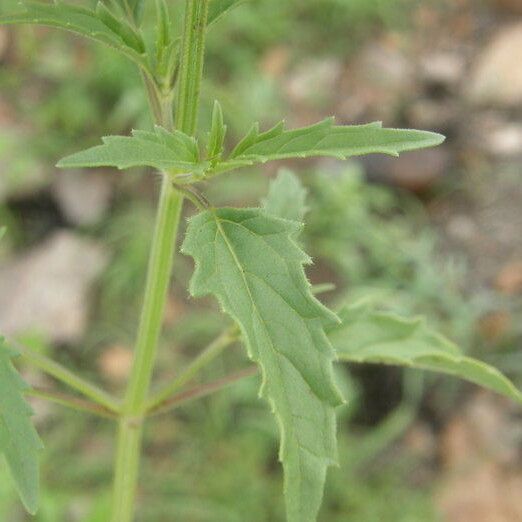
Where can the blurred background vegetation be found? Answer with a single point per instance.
(435, 233)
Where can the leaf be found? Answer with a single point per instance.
(159, 149)
(324, 139)
(286, 197)
(19, 441)
(368, 336)
(251, 263)
(217, 134)
(218, 8)
(83, 21)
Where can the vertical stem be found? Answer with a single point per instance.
(131, 422)
(130, 431)
(191, 66)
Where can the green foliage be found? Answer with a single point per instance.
(176, 151)
(368, 336)
(286, 197)
(158, 149)
(324, 139)
(251, 263)
(216, 139)
(19, 441)
(101, 25)
(219, 8)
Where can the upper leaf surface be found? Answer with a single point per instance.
(368, 336)
(159, 149)
(100, 26)
(325, 139)
(19, 441)
(251, 263)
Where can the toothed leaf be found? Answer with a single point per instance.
(369, 336)
(324, 139)
(101, 26)
(250, 261)
(159, 149)
(19, 441)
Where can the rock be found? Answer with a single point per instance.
(479, 452)
(115, 363)
(509, 279)
(313, 80)
(496, 78)
(83, 196)
(376, 83)
(433, 114)
(443, 69)
(46, 290)
(416, 171)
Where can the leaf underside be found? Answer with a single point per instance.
(369, 336)
(249, 260)
(19, 441)
(82, 21)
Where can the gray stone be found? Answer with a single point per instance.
(83, 196)
(496, 78)
(46, 290)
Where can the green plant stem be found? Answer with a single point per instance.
(73, 403)
(131, 423)
(214, 349)
(130, 431)
(65, 376)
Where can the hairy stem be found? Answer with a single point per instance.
(131, 423)
(130, 430)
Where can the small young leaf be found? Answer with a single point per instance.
(218, 8)
(120, 27)
(218, 131)
(324, 139)
(249, 260)
(160, 149)
(83, 21)
(19, 441)
(368, 336)
(286, 197)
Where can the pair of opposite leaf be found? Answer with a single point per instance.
(250, 261)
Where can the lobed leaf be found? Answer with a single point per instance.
(101, 26)
(368, 336)
(19, 441)
(250, 261)
(324, 139)
(286, 197)
(159, 149)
